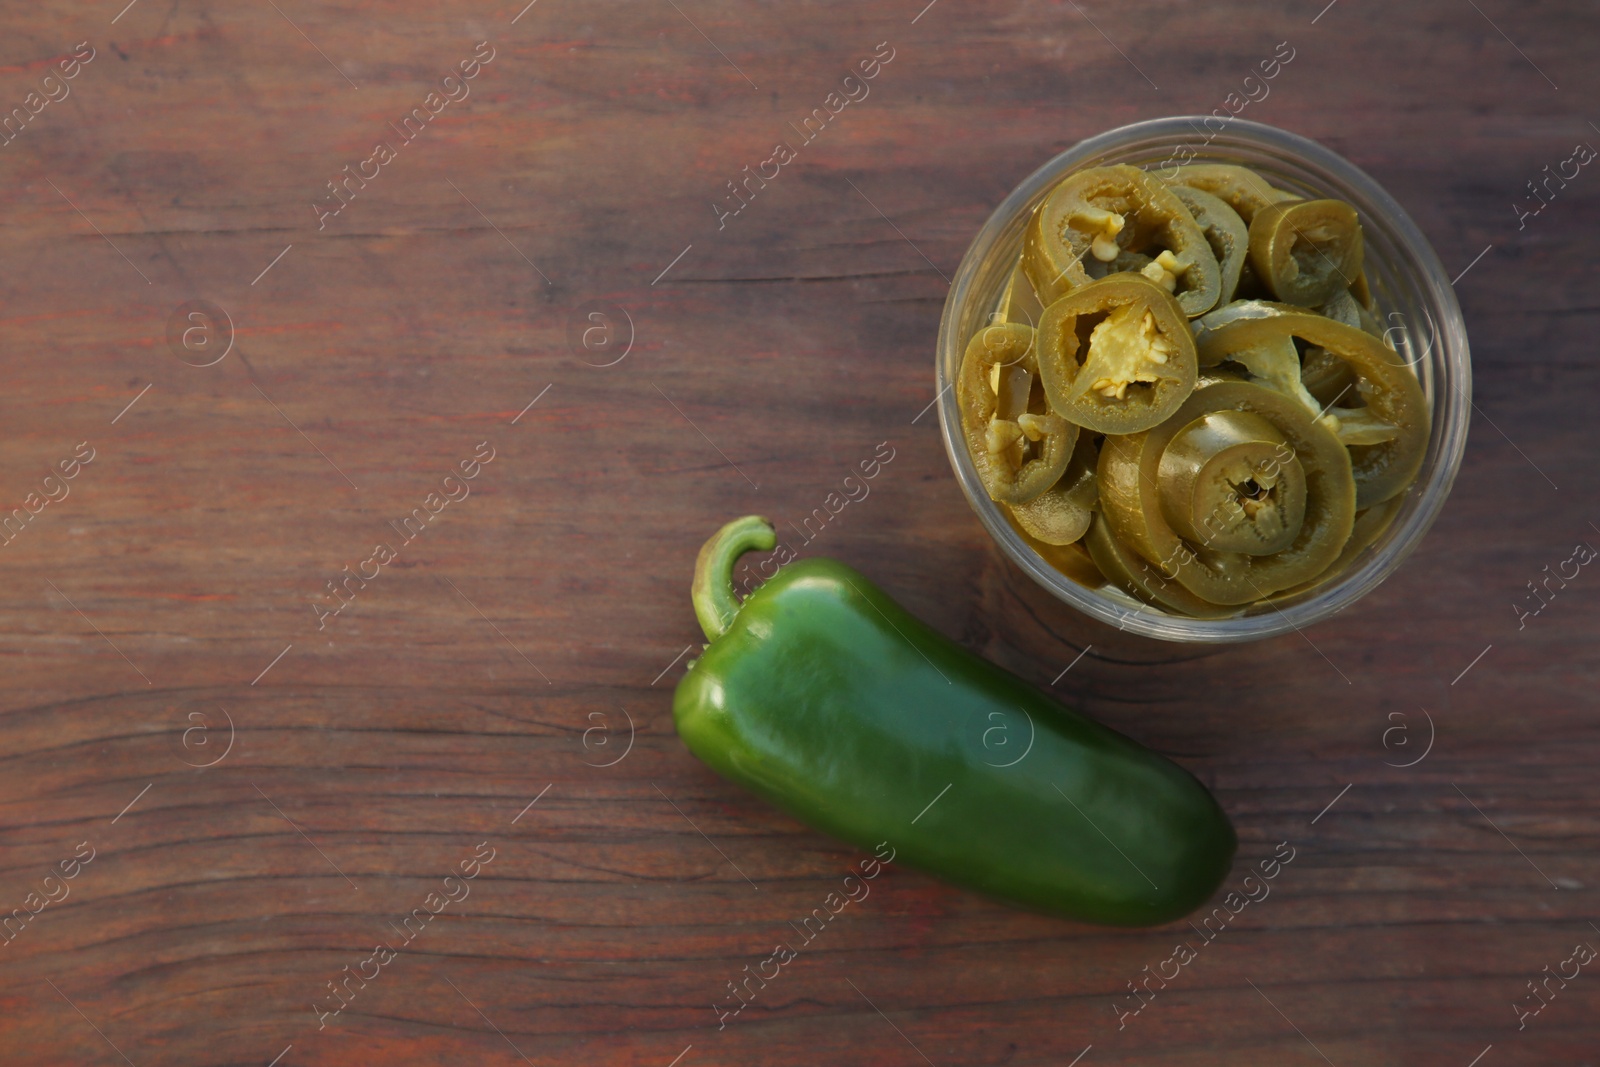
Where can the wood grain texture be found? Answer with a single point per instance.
(501, 656)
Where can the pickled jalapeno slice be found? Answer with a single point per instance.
(1272, 359)
(1342, 306)
(1239, 187)
(1224, 231)
(1019, 447)
(1060, 515)
(1094, 217)
(1385, 463)
(1264, 503)
(1136, 576)
(1346, 306)
(1229, 482)
(1116, 355)
(1325, 376)
(1305, 251)
(1369, 526)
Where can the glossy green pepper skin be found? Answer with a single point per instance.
(827, 698)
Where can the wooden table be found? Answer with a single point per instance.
(268, 787)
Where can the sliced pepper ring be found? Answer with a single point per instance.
(1117, 355)
(1239, 187)
(1342, 306)
(1224, 231)
(1391, 393)
(1369, 526)
(1326, 376)
(1096, 215)
(1271, 360)
(1134, 499)
(1131, 573)
(1305, 251)
(1230, 482)
(1319, 381)
(1018, 445)
(1353, 307)
(1060, 515)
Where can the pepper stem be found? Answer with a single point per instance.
(712, 591)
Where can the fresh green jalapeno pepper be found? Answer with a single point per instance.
(1095, 216)
(1060, 515)
(821, 694)
(1306, 250)
(1018, 445)
(1384, 463)
(1116, 355)
(1224, 231)
(1229, 529)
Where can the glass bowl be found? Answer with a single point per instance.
(1414, 302)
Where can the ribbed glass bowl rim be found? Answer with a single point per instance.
(1450, 362)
